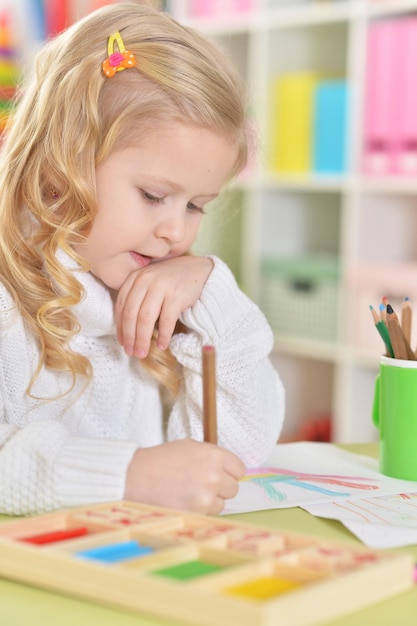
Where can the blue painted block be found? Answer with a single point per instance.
(116, 552)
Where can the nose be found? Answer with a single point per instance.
(172, 226)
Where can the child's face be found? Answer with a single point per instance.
(151, 197)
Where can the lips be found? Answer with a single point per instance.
(139, 259)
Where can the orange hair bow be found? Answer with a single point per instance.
(117, 60)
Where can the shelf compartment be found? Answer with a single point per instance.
(300, 296)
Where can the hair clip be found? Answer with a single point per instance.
(117, 60)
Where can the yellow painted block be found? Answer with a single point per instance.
(263, 588)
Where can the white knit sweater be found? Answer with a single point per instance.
(76, 449)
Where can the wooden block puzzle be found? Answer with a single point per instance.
(197, 570)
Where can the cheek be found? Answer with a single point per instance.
(101, 238)
(190, 239)
(111, 219)
(195, 225)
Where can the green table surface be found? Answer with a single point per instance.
(22, 605)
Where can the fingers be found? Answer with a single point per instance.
(221, 481)
(166, 324)
(199, 479)
(234, 466)
(213, 504)
(136, 318)
(158, 293)
(216, 507)
(137, 313)
(228, 488)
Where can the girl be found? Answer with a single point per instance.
(130, 126)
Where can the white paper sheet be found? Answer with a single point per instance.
(380, 522)
(379, 537)
(307, 473)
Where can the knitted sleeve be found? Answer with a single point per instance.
(43, 466)
(250, 395)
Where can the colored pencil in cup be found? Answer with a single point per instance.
(406, 319)
(209, 394)
(400, 346)
(383, 331)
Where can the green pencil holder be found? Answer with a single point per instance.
(394, 413)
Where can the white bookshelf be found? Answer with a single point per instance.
(362, 220)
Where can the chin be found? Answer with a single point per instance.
(111, 282)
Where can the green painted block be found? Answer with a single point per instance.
(188, 570)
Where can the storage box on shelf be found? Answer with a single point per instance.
(300, 296)
(362, 220)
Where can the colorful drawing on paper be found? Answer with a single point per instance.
(396, 510)
(272, 482)
(304, 473)
(379, 522)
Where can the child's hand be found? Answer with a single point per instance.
(184, 474)
(158, 292)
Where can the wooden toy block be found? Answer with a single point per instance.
(209, 571)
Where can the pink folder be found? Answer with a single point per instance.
(406, 116)
(384, 53)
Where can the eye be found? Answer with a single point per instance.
(150, 198)
(194, 207)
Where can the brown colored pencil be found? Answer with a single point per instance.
(209, 394)
(400, 346)
(406, 319)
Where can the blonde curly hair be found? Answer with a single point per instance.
(69, 118)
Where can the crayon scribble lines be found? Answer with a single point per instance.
(272, 481)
